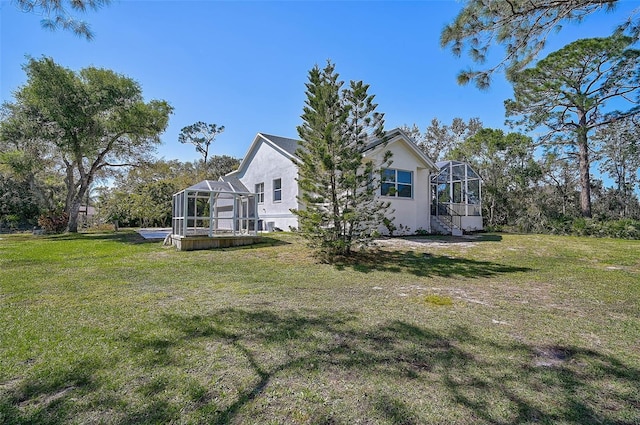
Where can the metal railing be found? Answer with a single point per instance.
(448, 215)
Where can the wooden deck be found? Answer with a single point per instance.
(196, 242)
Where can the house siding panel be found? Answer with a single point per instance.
(412, 213)
(264, 166)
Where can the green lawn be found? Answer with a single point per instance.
(506, 329)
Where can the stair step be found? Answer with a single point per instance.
(443, 227)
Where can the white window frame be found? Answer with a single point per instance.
(277, 191)
(260, 192)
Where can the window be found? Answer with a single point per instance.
(277, 190)
(397, 183)
(260, 192)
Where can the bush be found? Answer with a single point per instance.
(578, 226)
(54, 222)
(621, 229)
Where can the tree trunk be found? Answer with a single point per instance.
(74, 208)
(585, 178)
(69, 183)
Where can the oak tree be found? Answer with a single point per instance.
(91, 120)
(508, 170)
(620, 158)
(439, 139)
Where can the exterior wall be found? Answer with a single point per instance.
(471, 223)
(264, 166)
(412, 213)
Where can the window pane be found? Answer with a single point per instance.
(277, 190)
(443, 193)
(457, 192)
(260, 192)
(404, 190)
(458, 172)
(388, 175)
(474, 191)
(404, 177)
(387, 189)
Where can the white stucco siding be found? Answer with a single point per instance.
(265, 165)
(471, 223)
(412, 213)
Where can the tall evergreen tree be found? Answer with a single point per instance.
(340, 210)
(521, 27)
(56, 13)
(572, 92)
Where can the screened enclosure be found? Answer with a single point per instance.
(457, 190)
(213, 208)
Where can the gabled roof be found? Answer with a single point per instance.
(284, 143)
(287, 147)
(235, 183)
(230, 186)
(398, 135)
(442, 165)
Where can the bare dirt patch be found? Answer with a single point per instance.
(422, 243)
(551, 356)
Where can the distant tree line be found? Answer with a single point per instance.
(584, 102)
(142, 195)
(138, 195)
(67, 133)
(529, 189)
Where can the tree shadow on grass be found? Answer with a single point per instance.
(131, 237)
(47, 399)
(578, 383)
(386, 371)
(128, 237)
(449, 239)
(424, 264)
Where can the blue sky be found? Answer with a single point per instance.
(243, 64)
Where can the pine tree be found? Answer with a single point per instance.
(573, 92)
(340, 210)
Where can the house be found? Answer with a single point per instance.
(269, 170)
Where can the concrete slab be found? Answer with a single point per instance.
(154, 232)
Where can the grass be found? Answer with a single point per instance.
(505, 329)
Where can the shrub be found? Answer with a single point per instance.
(54, 222)
(578, 226)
